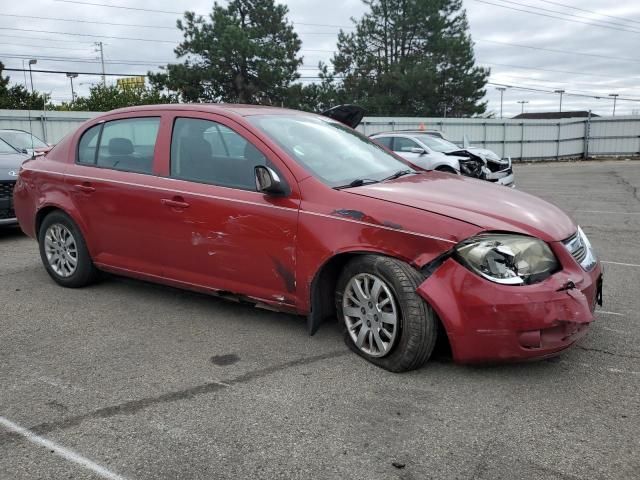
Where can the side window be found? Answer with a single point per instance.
(129, 144)
(87, 145)
(208, 152)
(385, 141)
(404, 145)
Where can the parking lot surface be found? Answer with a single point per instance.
(140, 381)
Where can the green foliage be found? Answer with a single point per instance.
(315, 97)
(17, 97)
(411, 57)
(245, 52)
(104, 98)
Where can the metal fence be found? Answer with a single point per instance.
(529, 139)
(518, 139)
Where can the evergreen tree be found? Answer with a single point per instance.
(245, 52)
(411, 57)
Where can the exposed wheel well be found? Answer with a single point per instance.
(40, 216)
(445, 168)
(323, 305)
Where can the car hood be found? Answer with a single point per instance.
(477, 202)
(10, 162)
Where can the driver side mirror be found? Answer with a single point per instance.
(418, 150)
(268, 181)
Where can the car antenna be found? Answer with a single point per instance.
(26, 86)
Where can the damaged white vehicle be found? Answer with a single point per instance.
(431, 151)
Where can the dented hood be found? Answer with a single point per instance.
(477, 202)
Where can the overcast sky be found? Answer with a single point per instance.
(600, 61)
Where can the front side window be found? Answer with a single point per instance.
(208, 152)
(128, 144)
(334, 153)
(405, 145)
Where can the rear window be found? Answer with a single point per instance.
(127, 144)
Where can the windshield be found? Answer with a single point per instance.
(334, 153)
(437, 144)
(21, 140)
(6, 148)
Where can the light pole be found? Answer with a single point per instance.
(522, 102)
(561, 92)
(615, 97)
(71, 76)
(501, 90)
(33, 61)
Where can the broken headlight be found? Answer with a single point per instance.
(471, 167)
(509, 259)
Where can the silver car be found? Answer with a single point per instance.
(434, 152)
(10, 162)
(21, 141)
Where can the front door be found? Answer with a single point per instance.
(221, 232)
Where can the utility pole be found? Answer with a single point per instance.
(71, 76)
(522, 102)
(501, 90)
(561, 92)
(615, 97)
(33, 61)
(100, 49)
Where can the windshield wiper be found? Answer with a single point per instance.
(398, 174)
(358, 182)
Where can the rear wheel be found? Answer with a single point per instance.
(385, 320)
(64, 252)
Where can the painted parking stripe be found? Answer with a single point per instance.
(605, 312)
(63, 452)
(620, 263)
(602, 211)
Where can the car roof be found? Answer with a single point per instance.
(221, 108)
(407, 132)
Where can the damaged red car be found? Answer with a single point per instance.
(300, 213)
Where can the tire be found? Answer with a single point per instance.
(446, 170)
(54, 231)
(414, 337)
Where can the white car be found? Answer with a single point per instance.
(432, 152)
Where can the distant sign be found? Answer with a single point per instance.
(130, 82)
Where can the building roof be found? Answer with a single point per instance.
(553, 115)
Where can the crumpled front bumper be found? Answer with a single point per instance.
(488, 322)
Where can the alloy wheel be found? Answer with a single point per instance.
(370, 314)
(61, 250)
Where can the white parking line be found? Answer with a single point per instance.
(612, 213)
(59, 450)
(623, 264)
(604, 312)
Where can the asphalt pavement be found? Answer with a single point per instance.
(131, 380)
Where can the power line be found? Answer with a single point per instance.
(527, 5)
(43, 46)
(76, 42)
(550, 70)
(555, 17)
(77, 20)
(152, 10)
(315, 77)
(590, 11)
(554, 50)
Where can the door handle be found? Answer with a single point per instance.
(175, 202)
(84, 187)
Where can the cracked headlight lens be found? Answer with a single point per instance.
(509, 259)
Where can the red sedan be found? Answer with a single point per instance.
(300, 213)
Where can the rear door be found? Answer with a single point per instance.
(111, 185)
(220, 232)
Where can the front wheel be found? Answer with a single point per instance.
(64, 252)
(385, 320)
